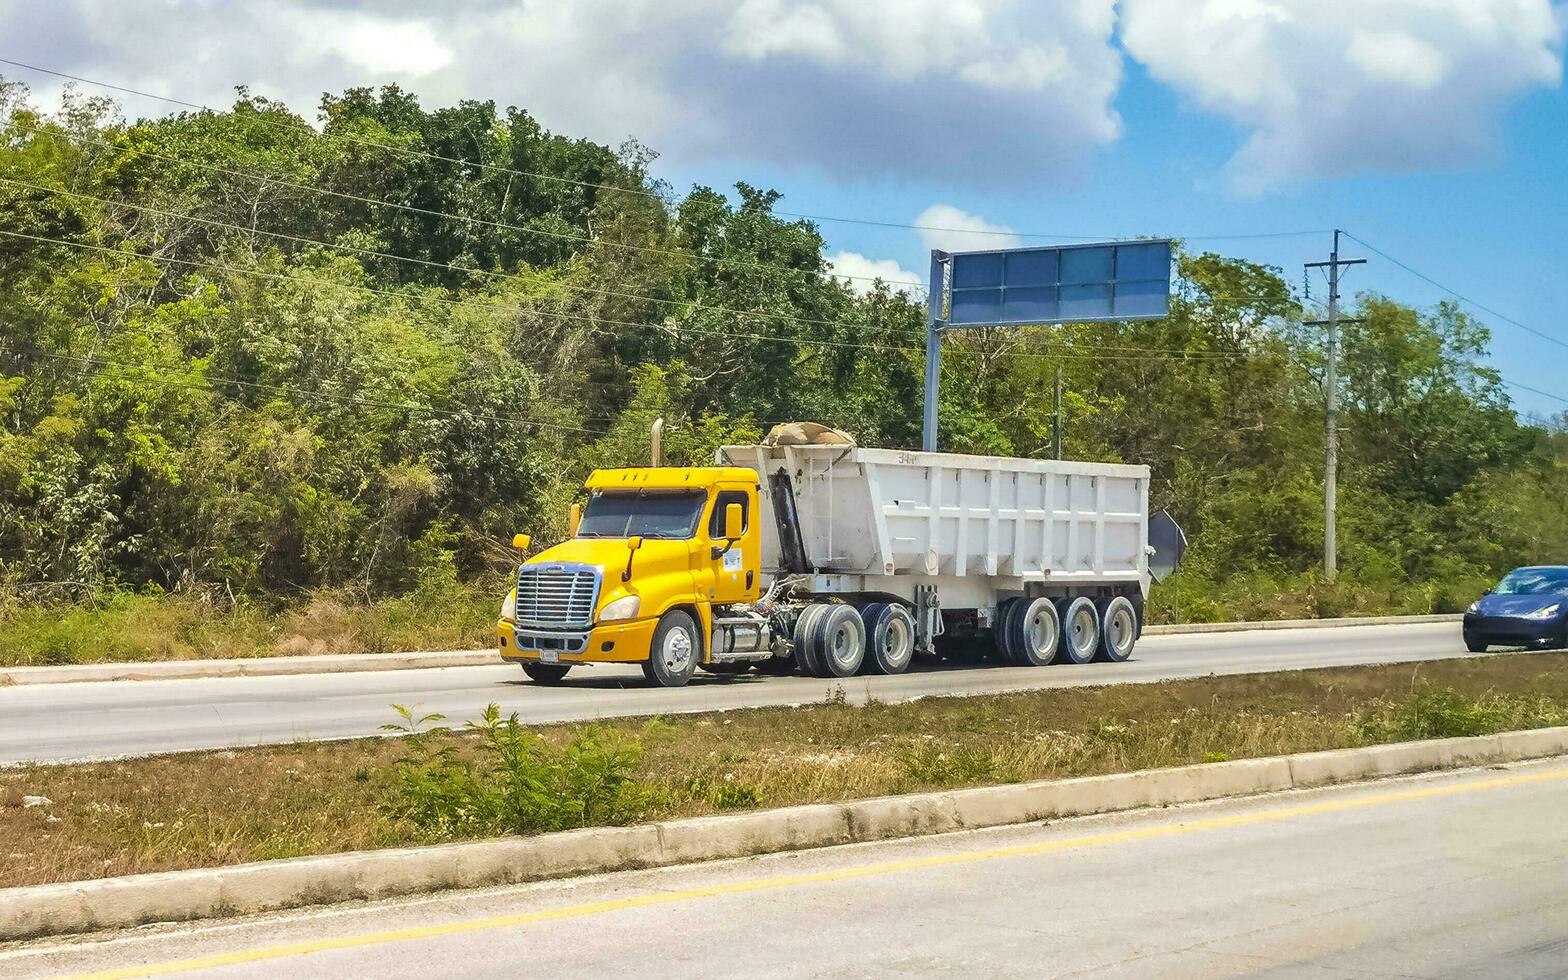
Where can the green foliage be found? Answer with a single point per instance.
(514, 781)
(1442, 712)
(240, 395)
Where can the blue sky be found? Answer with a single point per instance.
(1435, 129)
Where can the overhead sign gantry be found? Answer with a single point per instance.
(1107, 282)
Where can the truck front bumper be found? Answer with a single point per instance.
(609, 643)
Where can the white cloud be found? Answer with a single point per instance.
(1390, 85)
(853, 88)
(953, 229)
(859, 273)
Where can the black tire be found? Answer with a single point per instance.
(675, 650)
(838, 641)
(1035, 630)
(1475, 644)
(546, 674)
(1080, 630)
(890, 637)
(1002, 634)
(1118, 629)
(805, 654)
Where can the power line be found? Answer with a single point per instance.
(1458, 295)
(1184, 355)
(502, 225)
(421, 154)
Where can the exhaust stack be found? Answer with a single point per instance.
(656, 440)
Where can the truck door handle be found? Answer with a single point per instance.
(749, 576)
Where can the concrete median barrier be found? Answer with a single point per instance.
(203, 893)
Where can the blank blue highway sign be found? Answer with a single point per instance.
(1061, 284)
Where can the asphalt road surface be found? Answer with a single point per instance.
(1450, 875)
(60, 722)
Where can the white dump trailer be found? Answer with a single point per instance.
(1048, 560)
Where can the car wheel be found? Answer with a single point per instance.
(1475, 644)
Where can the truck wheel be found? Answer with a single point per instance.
(546, 673)
(1118, 629)
(1080, 629)
(1035, 631)
(1002, 633)
(838, 641)
(890, 637)
(672, 656)
(805, 653)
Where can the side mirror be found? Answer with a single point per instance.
(521, 541)
(574, 518)
(733, 522)
(632, 545)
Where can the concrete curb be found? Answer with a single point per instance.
(345, 663)
(168, 670)
(1298, 624)
(115, 903)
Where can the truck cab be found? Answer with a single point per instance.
(652, 554)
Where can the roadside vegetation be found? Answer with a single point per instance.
(245, 409)
(501, 777)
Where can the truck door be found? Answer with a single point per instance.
(733, 575)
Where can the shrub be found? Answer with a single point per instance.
(513, 781)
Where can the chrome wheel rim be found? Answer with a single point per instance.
(1121, 632)
(840, 647)
(676, 652)
(1083, 630)
(896, 643)
(1042, 631)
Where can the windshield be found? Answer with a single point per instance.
(650, 514)
(1534, 581)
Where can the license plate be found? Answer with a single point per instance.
(549, 656)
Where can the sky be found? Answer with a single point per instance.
(1435, 131)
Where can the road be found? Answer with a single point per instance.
(61, 722)
(1449, 875)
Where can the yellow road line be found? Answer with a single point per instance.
(820, 877)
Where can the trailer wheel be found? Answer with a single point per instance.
(1002, 632)
(546, 673)
(1036, 631)
(1118, 629)
(890, 637)
(1080, 629)
(672, 656)
(837, 641)
(805, 653)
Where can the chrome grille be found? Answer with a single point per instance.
(556, 595)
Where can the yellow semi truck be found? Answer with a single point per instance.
(835, 559)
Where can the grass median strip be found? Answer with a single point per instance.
(61, 823)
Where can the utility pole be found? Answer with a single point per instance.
(1331, 413)
(1056, 424)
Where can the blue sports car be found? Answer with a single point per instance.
(1529, 607)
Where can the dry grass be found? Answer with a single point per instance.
(215, 808)
(130, 627)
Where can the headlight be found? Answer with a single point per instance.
(1546, 613)
(623, 608)
(509, 607)
(1475, 607)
